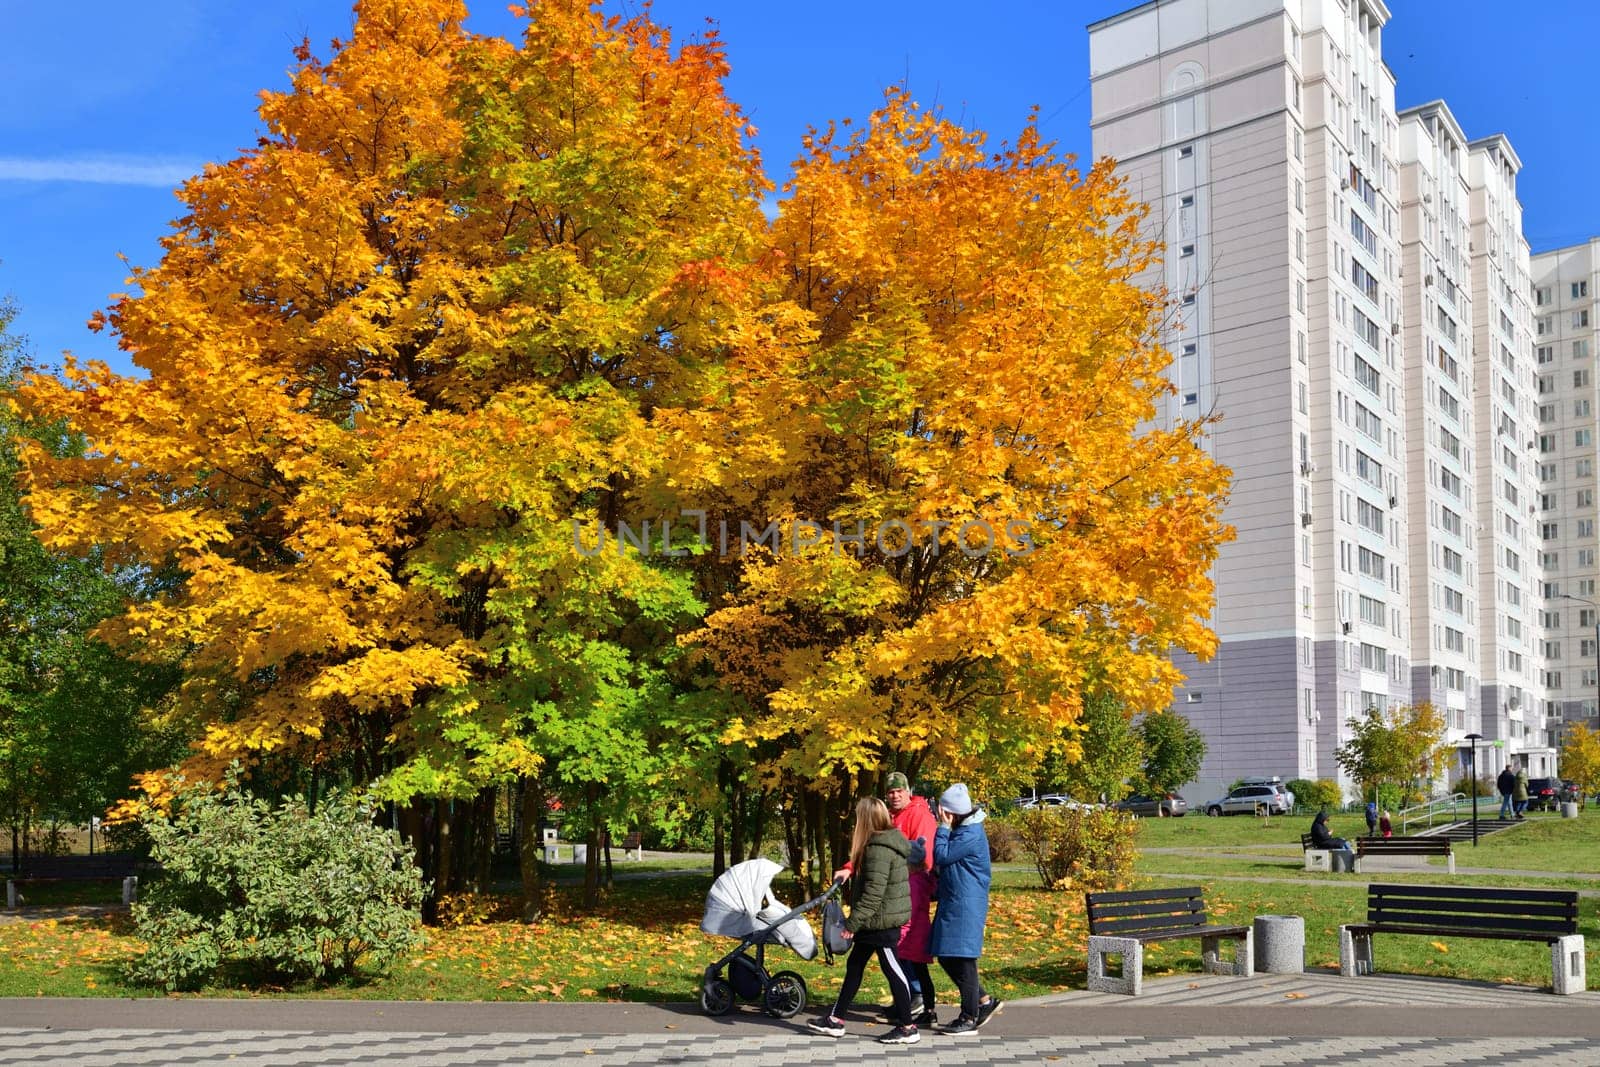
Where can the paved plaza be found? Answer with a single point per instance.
(1314, 1018)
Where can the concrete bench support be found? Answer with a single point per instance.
(1244, 955)
(1568, 972)
(1319, 859)
(1355, 953)
(1131, 980)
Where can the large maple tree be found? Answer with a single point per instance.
(465, 291)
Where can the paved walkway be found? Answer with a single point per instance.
(1269, 1021)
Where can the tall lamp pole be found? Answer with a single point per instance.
(1592, 604)
(1472, 776)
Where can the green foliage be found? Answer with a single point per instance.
(1085, 849)
(73, 730)
(1398, 747)
(1485, 786)
(1111, 752)
(1322, 793)
(1302, 788)
(1173, 750)
(279, 894)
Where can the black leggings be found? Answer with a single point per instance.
(856, 967)
(919, 974)
(963, 971)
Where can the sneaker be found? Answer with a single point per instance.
(962, 1025)
(901, 1035)
(988, 1009)
(928, 1019)
(827, 1026)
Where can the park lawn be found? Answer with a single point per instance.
(644, 944)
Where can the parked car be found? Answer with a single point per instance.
(1247, 798)
(1544, 794)
(1165, 804)
(1052, 800)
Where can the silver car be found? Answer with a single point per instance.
(1248, 798)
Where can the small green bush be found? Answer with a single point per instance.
(1077, 848)
(1465, 784)
(265, 894)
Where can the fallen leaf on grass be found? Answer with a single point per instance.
(1295, 996)
(1440, 945)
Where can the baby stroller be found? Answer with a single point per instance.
(741, 905)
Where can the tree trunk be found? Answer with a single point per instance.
(759, 829)
(531, 848)
(591, 861)
(445, 878)
(606, 838)
(793, 832)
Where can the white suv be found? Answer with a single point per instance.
(1247, 798)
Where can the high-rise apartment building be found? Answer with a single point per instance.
(1510, 642)
(1442, 447)
(1566, 328)
(1345, 281)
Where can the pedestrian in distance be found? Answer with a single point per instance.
(961, 860)
(880, 904)
(1519, 793)
(1322, 837)
(1385, 827)
(1506, 785)
(1372, 817)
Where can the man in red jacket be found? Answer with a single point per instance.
(913, 817)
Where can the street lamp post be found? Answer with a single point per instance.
(1472, 776)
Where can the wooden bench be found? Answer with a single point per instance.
(1548, 915)
(1318, 859)
(1123, 923)
(108, 866)
(1379, 847)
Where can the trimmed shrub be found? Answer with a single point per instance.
(1303, 790)
(261, 894)
(1076, 848)
(1465, 784)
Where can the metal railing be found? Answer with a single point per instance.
(1431, 809)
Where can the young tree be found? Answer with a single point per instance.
(1580, 760)
(1173, 751)
(1106, 751)
(1399, 747)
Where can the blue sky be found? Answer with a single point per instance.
(105, 107)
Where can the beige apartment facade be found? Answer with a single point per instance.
(1566, 324)
(1303, 219)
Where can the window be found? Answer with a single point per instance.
(1452, 561)
(1541, 296)
(1580, 289)
(1580, 350)
(1371, 563)
(1582, 438)
(1367, 376)
(1584, 468)
(1193, 697)
(1190, 398)
(1186, 151)
(1299, 143)
(1580, 408)
(1580, 379)
(1450, 521)
(1585, 498)
(1299, 295)
(1189, 299)
(1186, 201)
(1546, 354)
(1186, 250)
(1300, 253)
(1580, 318)
(1300, 388)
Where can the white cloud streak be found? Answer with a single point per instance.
(161, 173)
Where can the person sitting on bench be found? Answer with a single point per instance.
(1322, 837)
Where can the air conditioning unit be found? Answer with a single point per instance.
(1344, 183)
(1394, 327)
(1308, 468)
(1305, 518)
(1427, 198)
(1427, 279)
(1345, 626)
(1393, 500)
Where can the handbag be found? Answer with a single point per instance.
(833, 927)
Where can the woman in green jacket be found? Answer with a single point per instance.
(880, 904)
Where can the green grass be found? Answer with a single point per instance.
(645, 944)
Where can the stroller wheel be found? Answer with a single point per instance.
(786, 995)
(716, 997)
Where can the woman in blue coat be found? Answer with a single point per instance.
(961, 860)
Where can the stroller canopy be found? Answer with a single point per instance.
(741, 905)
